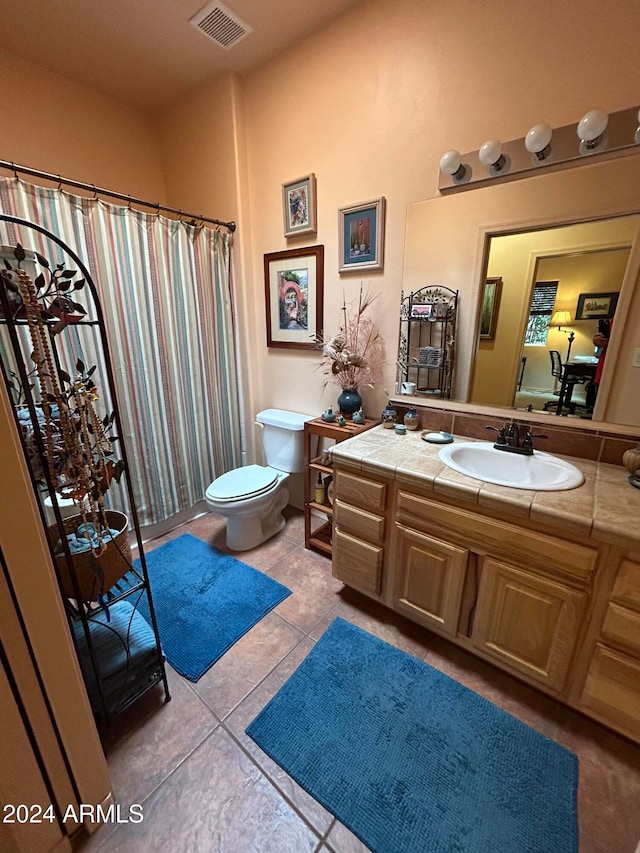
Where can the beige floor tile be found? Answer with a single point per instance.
(146, 758)
(314, 589)
(246, 663)
(216, 802)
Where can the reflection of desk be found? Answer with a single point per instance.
(573, 373)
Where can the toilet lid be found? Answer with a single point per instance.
(242, 483)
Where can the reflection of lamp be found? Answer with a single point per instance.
(563, 318)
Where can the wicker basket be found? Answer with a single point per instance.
(95, 575)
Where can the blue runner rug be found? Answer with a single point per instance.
(204, 601)
(413, 762)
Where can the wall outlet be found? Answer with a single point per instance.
(636, 357)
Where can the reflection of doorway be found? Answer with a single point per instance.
(591, 256)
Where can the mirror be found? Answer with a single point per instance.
(565, 268)
(455, 241)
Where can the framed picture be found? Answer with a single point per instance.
(361, 230)
(596, 306)
(421, 311)
(490, 307)
(293, 282)
(299, 206)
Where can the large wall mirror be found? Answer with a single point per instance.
(573, 234)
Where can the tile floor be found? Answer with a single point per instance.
(206, 788)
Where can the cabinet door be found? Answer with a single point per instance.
(429, 581)
(357, 563)
(528, 622)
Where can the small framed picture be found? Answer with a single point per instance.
(421, 311)
(490, 306)
(361, 230)
(596, 306)
(299, 206)
(293, 282)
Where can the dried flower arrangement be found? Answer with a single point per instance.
(354, 357)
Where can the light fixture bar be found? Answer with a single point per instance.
(621, 137)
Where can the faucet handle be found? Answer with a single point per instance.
(501, 437)
(528, 439)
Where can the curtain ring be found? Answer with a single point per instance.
(95, 192)
(15, 171)
(157, 209)
(59, 183)
(129, 204)
(180, 215)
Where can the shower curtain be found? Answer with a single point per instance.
(165, 288)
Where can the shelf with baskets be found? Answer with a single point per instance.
(426, 350)
(56, 366)
(318, 515)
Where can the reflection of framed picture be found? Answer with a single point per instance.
(490, 307)
(293, 282)
(361, 230)
(299, 206)
(596, 306)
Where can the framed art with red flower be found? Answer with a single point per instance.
(294, 282)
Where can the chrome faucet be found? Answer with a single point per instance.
(510, 435)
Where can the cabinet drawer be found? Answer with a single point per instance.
(357, 563)
(361, 492)
(545, 553)
(612, 691)
(360, 522)
(626, 589)
(622, 628)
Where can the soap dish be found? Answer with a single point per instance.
(437, 437)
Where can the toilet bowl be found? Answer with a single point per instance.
(252, 498)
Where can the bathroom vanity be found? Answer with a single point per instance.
(545, 585)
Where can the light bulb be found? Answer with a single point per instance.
(451, 164)
(490, 154)
(538, 139)
(637, 136)
(591, 127)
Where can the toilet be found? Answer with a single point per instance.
(252, 497)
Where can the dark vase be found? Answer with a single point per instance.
(349, 401)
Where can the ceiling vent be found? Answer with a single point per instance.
(220, 25)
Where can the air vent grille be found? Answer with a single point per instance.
(219, 23)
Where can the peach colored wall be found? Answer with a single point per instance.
(370, 103)
(521, 259)
(52, 124)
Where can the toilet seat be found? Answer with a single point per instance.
(250, 481)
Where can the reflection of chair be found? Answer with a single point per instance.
(566, 388)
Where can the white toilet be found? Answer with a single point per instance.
(252, 497)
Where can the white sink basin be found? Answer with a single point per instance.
(540, 472)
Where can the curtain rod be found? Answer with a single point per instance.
(5, 164)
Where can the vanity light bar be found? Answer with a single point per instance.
(597, 136)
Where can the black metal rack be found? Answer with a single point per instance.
(118, 647)
(426, 349)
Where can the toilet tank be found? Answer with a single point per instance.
(283, 439)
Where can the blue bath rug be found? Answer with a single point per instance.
(410, 760)
(204, 601)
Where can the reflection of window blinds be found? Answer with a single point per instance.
(544, 297)
(542, 303)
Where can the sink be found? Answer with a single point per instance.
(540, 472)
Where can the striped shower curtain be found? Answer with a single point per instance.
(165, 291)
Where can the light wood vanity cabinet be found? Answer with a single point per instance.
(560, 613)
(516, 596)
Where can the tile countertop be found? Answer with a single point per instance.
(605, 506)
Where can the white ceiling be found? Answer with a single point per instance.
(145, 52)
